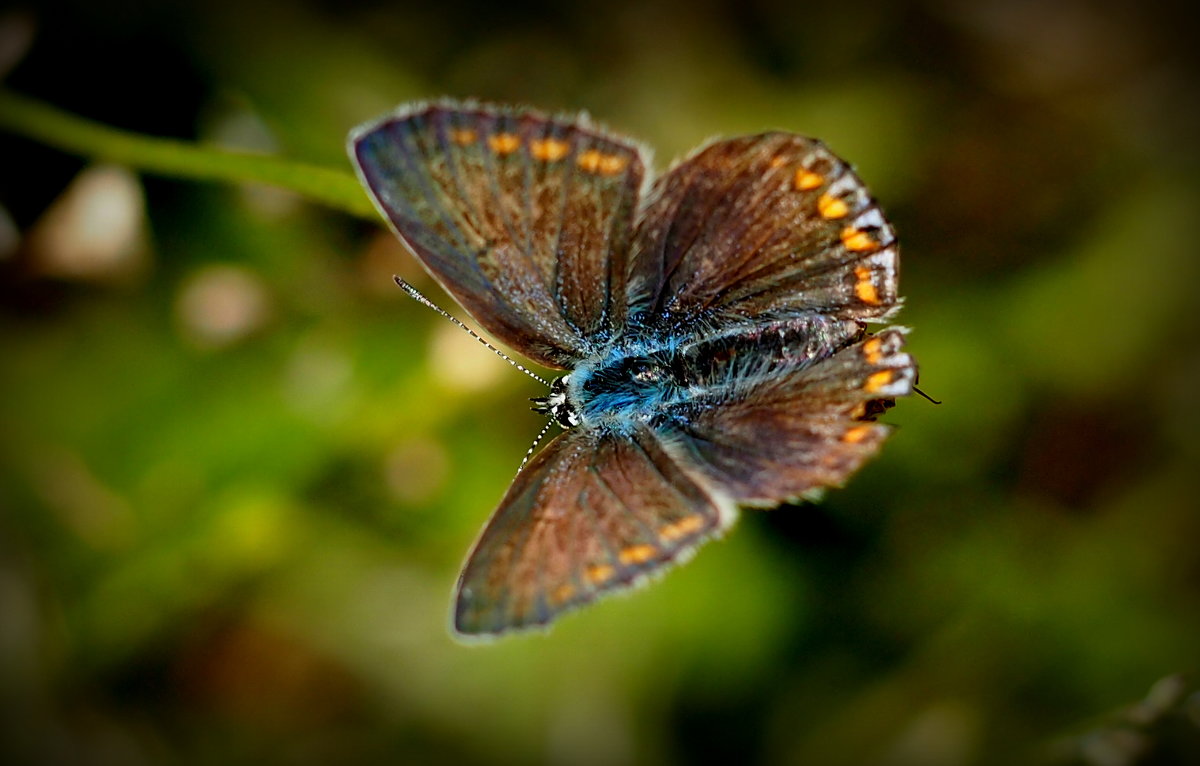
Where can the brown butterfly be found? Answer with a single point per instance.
(713, 328)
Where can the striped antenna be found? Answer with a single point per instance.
(529, 452)
(416, 296)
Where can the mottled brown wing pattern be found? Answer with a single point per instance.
(780, 437)
(524, 219)
(772, 224)
(594, 512)
(715, 332)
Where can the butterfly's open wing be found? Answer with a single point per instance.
(524, 219)
(593, 512)
(771, 435)
(772, 224)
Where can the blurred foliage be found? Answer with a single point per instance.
(240, 469)
(178, 159)
(1161, 728)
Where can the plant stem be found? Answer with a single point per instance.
(168, 157)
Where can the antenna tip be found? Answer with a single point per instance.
(927, 396)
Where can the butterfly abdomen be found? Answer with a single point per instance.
(649, 380)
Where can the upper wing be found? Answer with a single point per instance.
(593, 512)
(772, 434)
(524, 219)
(770, 224)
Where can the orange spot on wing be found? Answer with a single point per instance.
(867, 293)
(807, 180)
(599, 573)
(778, 162)
(865, 288)
(549, 149)
(856, 434)
(463, 136)
(593, 161)
(589, 161)
(563, 592)
(878, 380)
(638, 554)
(685, 526)
(504, 143)
(832, 207)
(857, 240)
(612, 164)
(871, 350)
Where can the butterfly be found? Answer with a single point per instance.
(712, 326)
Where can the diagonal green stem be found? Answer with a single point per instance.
(76, 135)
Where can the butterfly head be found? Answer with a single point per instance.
(556, 405)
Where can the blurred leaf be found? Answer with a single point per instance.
(44, 123)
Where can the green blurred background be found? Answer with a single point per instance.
(240, 470)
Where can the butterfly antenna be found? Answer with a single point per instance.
(416, 296)
(529, 452)
(927, 396)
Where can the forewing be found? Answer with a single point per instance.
(771, 224)
(524, 219)
(593, 512)
(767, 436)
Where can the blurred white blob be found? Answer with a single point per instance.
(9, 236)
(1114, 747)
(95, 230)
(945, 733)
(234, 125)
(1164, 696)
(461, 363)
(318, 378)
(16, 35)
(386, 256)
(22, 645)
(1192, 708)
(416, 470)
(589, 726)
(220, 305)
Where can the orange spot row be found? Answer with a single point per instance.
(549, 149)
(638, 554)
(872, 350)
(593, 161)
(463, 136)
(865, 288)
(832, 207)
(856, 434)
(857, 240)
(504, 143)
(545, 149)
(685, 526)
(878, 380)
(599, 573)
(806, 180)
